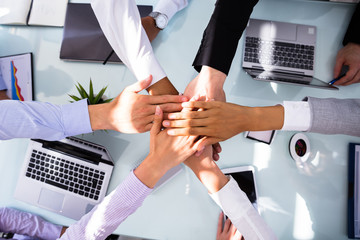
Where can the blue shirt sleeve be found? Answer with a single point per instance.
(43, 120)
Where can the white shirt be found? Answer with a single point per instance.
(297, 116)
(236, 205)
(121, 24)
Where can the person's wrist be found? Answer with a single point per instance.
(162, 87)
(100, 116)
(266, 118)
(150, 171)
(216, 77)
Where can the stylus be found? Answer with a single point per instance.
(335, 79)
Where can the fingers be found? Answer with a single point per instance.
(197, 104)
(171, 107)
(338, 65)
(217, 147)
(185, 123)
(167, 99)
(220, 223)
(348, 77)
(355, 78)
(206, 141)
(188, 114)
(139, 86)
(227, 225)
(193, 131)
(156, 128)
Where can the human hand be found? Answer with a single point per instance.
(3, 95)
(229, 232)
(350, 56)
(151, 30)
(220, 120)
(209, 82)
(131, 112)
(165, 152)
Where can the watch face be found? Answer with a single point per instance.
(161, 21)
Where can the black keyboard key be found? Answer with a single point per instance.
(59, 185)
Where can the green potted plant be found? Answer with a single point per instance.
(93, 98)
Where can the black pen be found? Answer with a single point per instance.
(335, 79)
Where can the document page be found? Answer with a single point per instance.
(14, 11)
(48, 13)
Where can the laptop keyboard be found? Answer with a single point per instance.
(64, 174)
(281, 54)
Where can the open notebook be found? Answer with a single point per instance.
(33, 12)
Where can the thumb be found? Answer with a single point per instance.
(140, 85)
(338, 64)
(156, 128)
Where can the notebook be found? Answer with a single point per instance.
(16, 72)
(83, 39)
(354, 191)
(68, 177)
(33, 12)
(281, 52)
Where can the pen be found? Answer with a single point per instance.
(335, 79)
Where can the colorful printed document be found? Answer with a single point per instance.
(16, 74)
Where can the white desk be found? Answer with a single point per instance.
(307, 203)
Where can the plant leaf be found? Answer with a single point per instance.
(100, 94)
(108, 100)
(91, 91)
(84, 93)
(74, 97)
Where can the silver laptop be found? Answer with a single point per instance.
(68, 177)
(281, 52)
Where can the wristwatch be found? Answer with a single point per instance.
(161, 20)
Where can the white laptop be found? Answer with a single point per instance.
(281, 52)
(68, 177)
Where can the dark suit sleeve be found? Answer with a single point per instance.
(221, 36)
(353, 33)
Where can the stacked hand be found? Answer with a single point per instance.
(349, 56)
(165, 152)
(209, 83)
(131, 112)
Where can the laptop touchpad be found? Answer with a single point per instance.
(50, 199)
(282, 31)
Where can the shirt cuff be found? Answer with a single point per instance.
(232, 200)
(297, 116)
(76, 118)
(170, 8)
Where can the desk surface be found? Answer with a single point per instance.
(308, 202)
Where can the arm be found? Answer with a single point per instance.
(222, 34)
(167, 7)
(221, 121)
(15, 221)
(128, 38)
(335, 116)
(130, 112)
(350, 54)
(165, 153)
(231, 199)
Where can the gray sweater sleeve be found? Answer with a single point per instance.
(334, 116)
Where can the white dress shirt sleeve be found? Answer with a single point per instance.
(297, 116)
(121, 24)
(236, 205)
(43, 120)
(170, 7)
